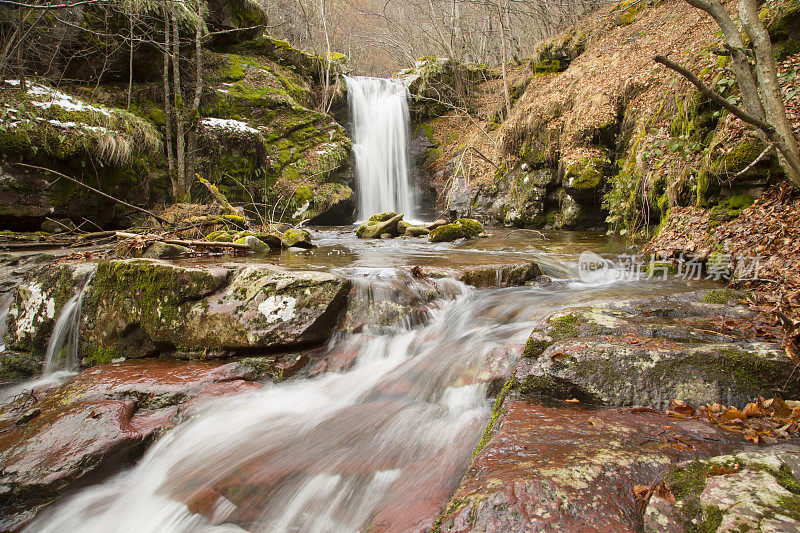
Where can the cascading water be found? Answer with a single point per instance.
(5, 304)
(61, 354)
(390, 436)
(379, 110)
(62, 348)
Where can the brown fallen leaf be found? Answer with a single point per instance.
(596, 422)
(680, 408)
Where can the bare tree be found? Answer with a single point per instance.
(761, 96)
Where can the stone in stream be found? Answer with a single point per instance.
(463, 228)
(97, 423)
(255, 244)
(650, 351)
(436, 223)
(379, 224)
(507, 275)
(567, 467)
(298, 238)
(136, 308)
(416, 231)
(751, 491)
(163, 250)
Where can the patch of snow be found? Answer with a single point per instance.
(57, 98)
(228, 124)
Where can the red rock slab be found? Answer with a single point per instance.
(572, 468)
(97, 423)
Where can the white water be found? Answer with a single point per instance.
(379, 110)
(62, 348)
(5, 304)
(335, 451)
(61, 354)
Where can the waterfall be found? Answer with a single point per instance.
(379, 110)
(5, 304)
(62, 348)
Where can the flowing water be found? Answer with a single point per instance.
(61, 354)
(62, 348)
(381, 444)
(5, 304)
(380, 117)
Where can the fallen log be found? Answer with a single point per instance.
(182, 242)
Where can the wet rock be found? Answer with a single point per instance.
(416, 231)
(569, 467)
(462, 228)
(138, 307)
(255, 244)
(96, 424)
(299, 238)
(647, 352)
(508, 275)
(340, 212)
(750, 491)
(378, 225)
(37, 302)
(384, 302)
(163, 250)
(437, 223)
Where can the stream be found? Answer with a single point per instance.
(381, 444)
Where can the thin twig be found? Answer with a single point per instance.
(101, 193)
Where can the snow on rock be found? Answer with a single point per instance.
(228, 124)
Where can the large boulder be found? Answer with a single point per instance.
(567, 467)
(38, 300)
(462, 228)
(651, 351)
(750, 491)
(136, 308)
(504, 275)
(97, 423)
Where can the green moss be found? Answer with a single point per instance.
(547, 66)
(585, 173)
(497, 410)
(534, 347)
(99, 355)
(564, 327)
(293, 236)
(729, 209)
(382, 217)
(723, 296)
(787, 480)
(737, 159)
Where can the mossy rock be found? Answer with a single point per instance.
(382, 217)
(462, 228)
(585, 175)
(375, 229)
(299, 238)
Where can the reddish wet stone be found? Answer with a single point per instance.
(96, 423)
(572, 468)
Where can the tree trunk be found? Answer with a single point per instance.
(739, 61)
(179, 107)
(506, 94)
(772, 99)
(194, 112)
(130, 63)
(168, 102)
